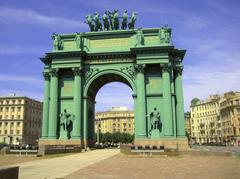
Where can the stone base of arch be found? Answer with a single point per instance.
(55, 146)
(175, 144)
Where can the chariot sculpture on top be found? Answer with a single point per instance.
(111, 21)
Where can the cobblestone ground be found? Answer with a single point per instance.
(121, 166)
(14, 159)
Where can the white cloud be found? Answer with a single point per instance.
(21, 49)
(29, 16)
(112, 95)
(18, 78)
(30, 94)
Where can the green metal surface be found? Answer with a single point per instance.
(144, 59)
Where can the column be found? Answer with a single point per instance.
(45, 118)
(141, 102)
(167, 101)
(179, 104)
(53, 108)
(173, 104)
(77, 100)
(85, 122)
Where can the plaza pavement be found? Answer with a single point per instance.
(61, 166)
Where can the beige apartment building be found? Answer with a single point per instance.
(205, 119)
(230, 117)
(187, 124)
(118, 119)
(216, 119)
(20, 120)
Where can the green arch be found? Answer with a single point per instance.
(119, 73)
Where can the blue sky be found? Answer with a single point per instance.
(208, 30)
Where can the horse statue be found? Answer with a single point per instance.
(132, 20)
(124, 20)
(98, 24)
(115, 20)
(90, 22)
(105, 21)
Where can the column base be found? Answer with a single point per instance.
(177, 144)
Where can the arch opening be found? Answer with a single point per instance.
(118, 120)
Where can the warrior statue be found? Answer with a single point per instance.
(139, 38)
(165, 35)
(124, 20)
(57, 42)
(66, 124)
(115, 20)
(105, 21)
(132, 20)
(78, 40)
(155, 121)
(98, 24)
(110, 16)
(90, 22)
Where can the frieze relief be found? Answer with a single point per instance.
(110, 60)
(89, 73)
(129, 70)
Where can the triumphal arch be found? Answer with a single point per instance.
(81, 63)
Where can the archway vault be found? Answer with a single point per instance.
(143, 59)
(104, 77)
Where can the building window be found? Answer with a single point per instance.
(12, 124)
(19, 109)
(12, 116)
(18, 116)
(7, 109)
(18, 124)
(18, 131)
(0, 124)
(5, 132)
(0, 116)
(1, 109)
(0, 131)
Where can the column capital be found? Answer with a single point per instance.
(77, 71)
(139, 68)
(166, 67)
(46, 76)
(54, 72)
(179, 70)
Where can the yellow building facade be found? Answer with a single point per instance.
(204, 119)
(20, 120)
(187, 122)
(118, 119)
(230, 117)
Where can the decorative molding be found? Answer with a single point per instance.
(46, 76)
(129, 70)
(77, 71)
(166, 68)
(90, 73)
(178, 70)
(139, 68)
(54, 72)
